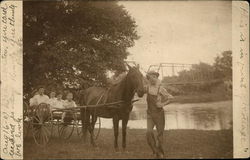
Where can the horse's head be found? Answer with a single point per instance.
(137, 80)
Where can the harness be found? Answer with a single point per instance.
(152, 101)
(158, 90)
(99, 101)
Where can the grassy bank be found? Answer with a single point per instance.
(178, 144)
(201, 93)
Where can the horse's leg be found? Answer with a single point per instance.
(93, 121)
(91, 129)
(85, 123)
(116, 131)
(124, 130)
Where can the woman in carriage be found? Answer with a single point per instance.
(39, 98)
(39, 102)
(53, 100)
(68, 103)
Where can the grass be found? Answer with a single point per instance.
(178, 144)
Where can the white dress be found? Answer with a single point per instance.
(38, 99)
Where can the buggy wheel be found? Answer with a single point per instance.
(26, 122)
(25, 109)
(42, 125)
(26, 128)
(66, 129)
(79, 129)
(96, 131)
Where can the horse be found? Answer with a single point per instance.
(124, 91)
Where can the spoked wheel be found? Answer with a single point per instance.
(26, 122)
(66, 128)
(26, 128)
(42, 125)
(97, 129)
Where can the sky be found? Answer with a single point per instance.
(179, 31)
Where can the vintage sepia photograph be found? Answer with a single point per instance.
(127, 79)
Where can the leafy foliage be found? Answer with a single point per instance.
(73, 43)
(223, 65)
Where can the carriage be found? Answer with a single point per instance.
(116, 104)
(43, 123)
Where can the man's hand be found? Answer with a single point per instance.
(162, 104)
(167, 102)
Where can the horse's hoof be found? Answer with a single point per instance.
(160, 156)
(97, 148)
(94, 145)
(117, 150)
(84, 139)
(125, 151)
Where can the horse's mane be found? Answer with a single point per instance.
(126, 94)
(122, 91)
(120, 84)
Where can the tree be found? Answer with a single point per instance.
(223, 65)
(73, 43)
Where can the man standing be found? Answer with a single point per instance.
(157, 98)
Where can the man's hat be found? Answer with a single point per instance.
(153, 73)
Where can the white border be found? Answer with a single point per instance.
(240, 47)
(11, 80)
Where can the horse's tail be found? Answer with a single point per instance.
(84, 115)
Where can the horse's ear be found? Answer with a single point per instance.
(129, 67)
(138, 66)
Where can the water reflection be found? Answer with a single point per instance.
(200, 116)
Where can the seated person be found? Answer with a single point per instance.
(32, 100)
(68, 103)
(37, 100)
(52, 100)
(40, 97)
(59, 101)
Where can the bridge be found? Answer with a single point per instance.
(181, 74)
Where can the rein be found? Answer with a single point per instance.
(108, 105)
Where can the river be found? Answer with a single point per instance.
(198, 116)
